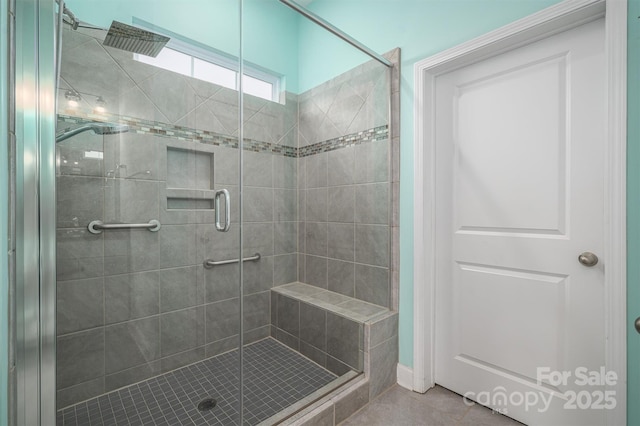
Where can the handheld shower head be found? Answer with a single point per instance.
(108, 128)
(96, 127)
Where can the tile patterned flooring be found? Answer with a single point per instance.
(275, 378)
(437, 407)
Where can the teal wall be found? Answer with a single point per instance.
(270, 28)
(4, 219)
(420, 28)
(633, 211)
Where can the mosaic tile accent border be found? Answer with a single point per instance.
(371, 135)
(203, 136)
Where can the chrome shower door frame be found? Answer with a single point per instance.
(35, 213)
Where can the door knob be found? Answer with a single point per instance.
(588, 259)
(637, 324)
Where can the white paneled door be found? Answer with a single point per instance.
(520, 145)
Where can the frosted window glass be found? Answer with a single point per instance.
(213, 73)
(255, 87)
(169, 59)
(191, 66)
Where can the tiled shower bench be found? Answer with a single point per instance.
(344, 335)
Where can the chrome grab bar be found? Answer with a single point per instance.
(210, 263)
(96, 227)
(227, 210)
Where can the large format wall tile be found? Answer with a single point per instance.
(181, 330)
(285, 237)
(316, 238)
(77, 212)
(258, 275)
(258, 238)
(341, 204)
(372, 203)
(171, 94)
(90, 69)
(80, 357)
(256, 310)
(221, 283)
(288, 311)
(177, 245)
(132, 343)
(132, 250)
(222, 319)
(372, 284)
(258, 204)
(341, 277)
(131, 296)
(80, 305)
(134, 156)
(180, 288)
(372, 244)
(372, 162)
(343, 342)
(285, 269)
(79, 254)
(340, 241)
(316, 271)
(130, 201)
(316, 205)
(313, 327)
(258, 169)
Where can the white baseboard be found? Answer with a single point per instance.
(405, 377)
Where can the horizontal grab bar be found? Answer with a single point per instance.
(96, 227)
(209, 263)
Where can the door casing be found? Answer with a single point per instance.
(561, 17)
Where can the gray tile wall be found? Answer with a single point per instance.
(132, 303)
(330, 340)
(344, 195)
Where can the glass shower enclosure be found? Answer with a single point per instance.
(222, 211)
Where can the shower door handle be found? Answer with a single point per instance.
(227, 210)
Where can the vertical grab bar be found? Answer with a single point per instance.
(227, 210)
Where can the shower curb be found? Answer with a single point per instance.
(335, 407)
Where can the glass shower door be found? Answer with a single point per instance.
(148, 228)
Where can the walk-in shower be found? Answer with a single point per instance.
(225, 216)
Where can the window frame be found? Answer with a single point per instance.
(211, 55)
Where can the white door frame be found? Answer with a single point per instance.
(560, 17)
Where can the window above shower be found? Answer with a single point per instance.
(190, 58)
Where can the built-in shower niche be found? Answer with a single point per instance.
(189, 179)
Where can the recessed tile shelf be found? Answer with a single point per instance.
(189, 179)
(193, 199)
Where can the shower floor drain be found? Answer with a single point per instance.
(207, 404)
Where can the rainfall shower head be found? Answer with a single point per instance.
(96, 127)
(133, 39)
